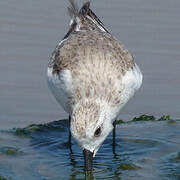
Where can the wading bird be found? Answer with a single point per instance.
(92, 76)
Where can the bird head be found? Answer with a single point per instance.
(90, 125)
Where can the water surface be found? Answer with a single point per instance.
(144, 150)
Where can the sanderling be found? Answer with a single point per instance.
(92, 76)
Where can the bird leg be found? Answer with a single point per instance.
(69, 138)
(114, 138)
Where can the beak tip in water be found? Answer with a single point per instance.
(88, 160)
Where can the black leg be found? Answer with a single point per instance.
(69, 138)
(114, 139)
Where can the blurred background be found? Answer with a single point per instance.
(30, 30)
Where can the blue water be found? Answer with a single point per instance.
(149, 148)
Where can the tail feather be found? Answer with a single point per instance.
(74, 8)
(81, 14)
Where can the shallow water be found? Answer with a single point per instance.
(29, 31)
(144, 150)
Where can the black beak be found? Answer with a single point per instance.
(88, 160)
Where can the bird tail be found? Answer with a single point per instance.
(77, 12)
(78, 8)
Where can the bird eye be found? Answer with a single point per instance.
(97, 132)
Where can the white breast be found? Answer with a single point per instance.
(131, 82)
(60, 85)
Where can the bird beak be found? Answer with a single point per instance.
(88, 160)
